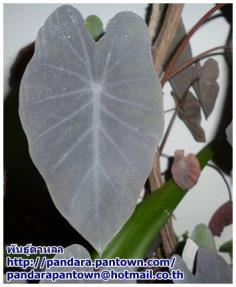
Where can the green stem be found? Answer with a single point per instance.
(136, 237)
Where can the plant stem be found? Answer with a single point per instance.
(154, 20)
(169, 110)
(169, 129)
(167, 34)
(195, 59)
(186, 40)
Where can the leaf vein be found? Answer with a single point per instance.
(62, 121)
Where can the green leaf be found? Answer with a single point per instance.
(138, 234)
(227, 247)
(203, 237)
(94, 26)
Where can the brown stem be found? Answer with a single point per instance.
(186, 40)
(167, 34)
(169, 110)
(154, 20)
(167, 233)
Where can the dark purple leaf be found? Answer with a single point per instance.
(207, 86)
(181, 81)
(221, 218)
(190, 113)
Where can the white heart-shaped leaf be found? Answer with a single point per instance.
(93, 116)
